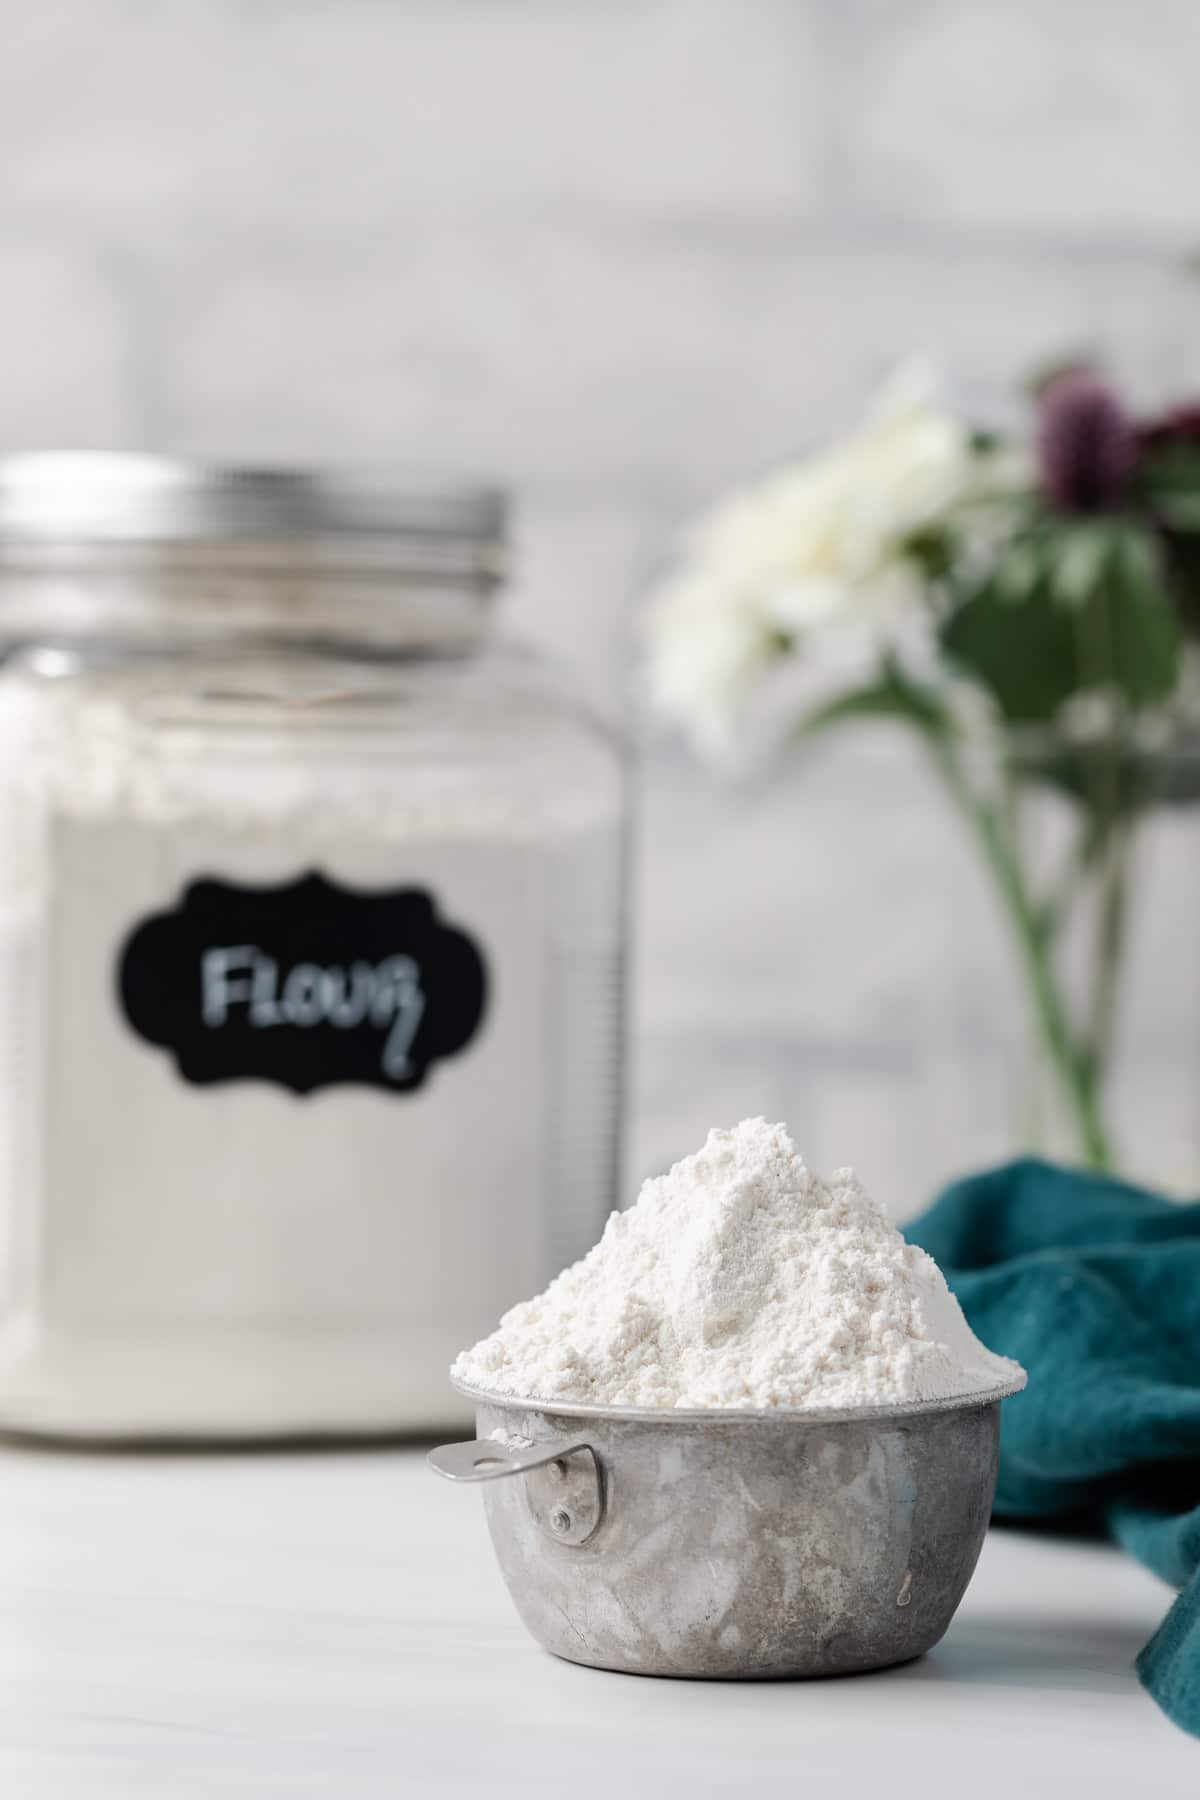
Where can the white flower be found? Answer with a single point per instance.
(814, 544)
(708, 648)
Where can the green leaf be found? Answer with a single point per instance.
(1140, 626)
(934, 550)
(1183, 559)
(1070, 609)
(1169, 485)
(1021, 646)
(1019, 572)
(1141, 556)
(984, 441)
(894, 696)
(1179, 511)
(1080, 556)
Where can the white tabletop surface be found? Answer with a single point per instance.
(296, 1624)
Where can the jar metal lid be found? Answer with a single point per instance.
(87, 497)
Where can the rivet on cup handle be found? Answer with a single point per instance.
(563, 1480)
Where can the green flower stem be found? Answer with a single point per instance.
(1110, 942)
(1073, 879)
(1077, 1069)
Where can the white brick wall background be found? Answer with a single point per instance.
(618, 252)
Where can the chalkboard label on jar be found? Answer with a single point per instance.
(305, 985)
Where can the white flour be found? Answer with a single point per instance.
(741, 1279)
(237, 1257)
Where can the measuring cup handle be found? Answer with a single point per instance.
(487, 1459)
(565, 1486)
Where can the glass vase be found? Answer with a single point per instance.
(1075, 995)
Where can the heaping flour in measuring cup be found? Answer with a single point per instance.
(742, 1279)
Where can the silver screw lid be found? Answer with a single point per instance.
(82, 497)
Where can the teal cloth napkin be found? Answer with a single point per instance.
(1094, 1285)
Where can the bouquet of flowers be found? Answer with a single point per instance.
(1040, 591)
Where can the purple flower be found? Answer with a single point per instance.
(1086, 443)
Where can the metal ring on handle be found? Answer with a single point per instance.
(563, 1480)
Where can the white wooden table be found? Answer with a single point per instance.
(334, 1625)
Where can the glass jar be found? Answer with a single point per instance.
(310, 951)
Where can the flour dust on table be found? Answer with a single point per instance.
(741, 1279)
